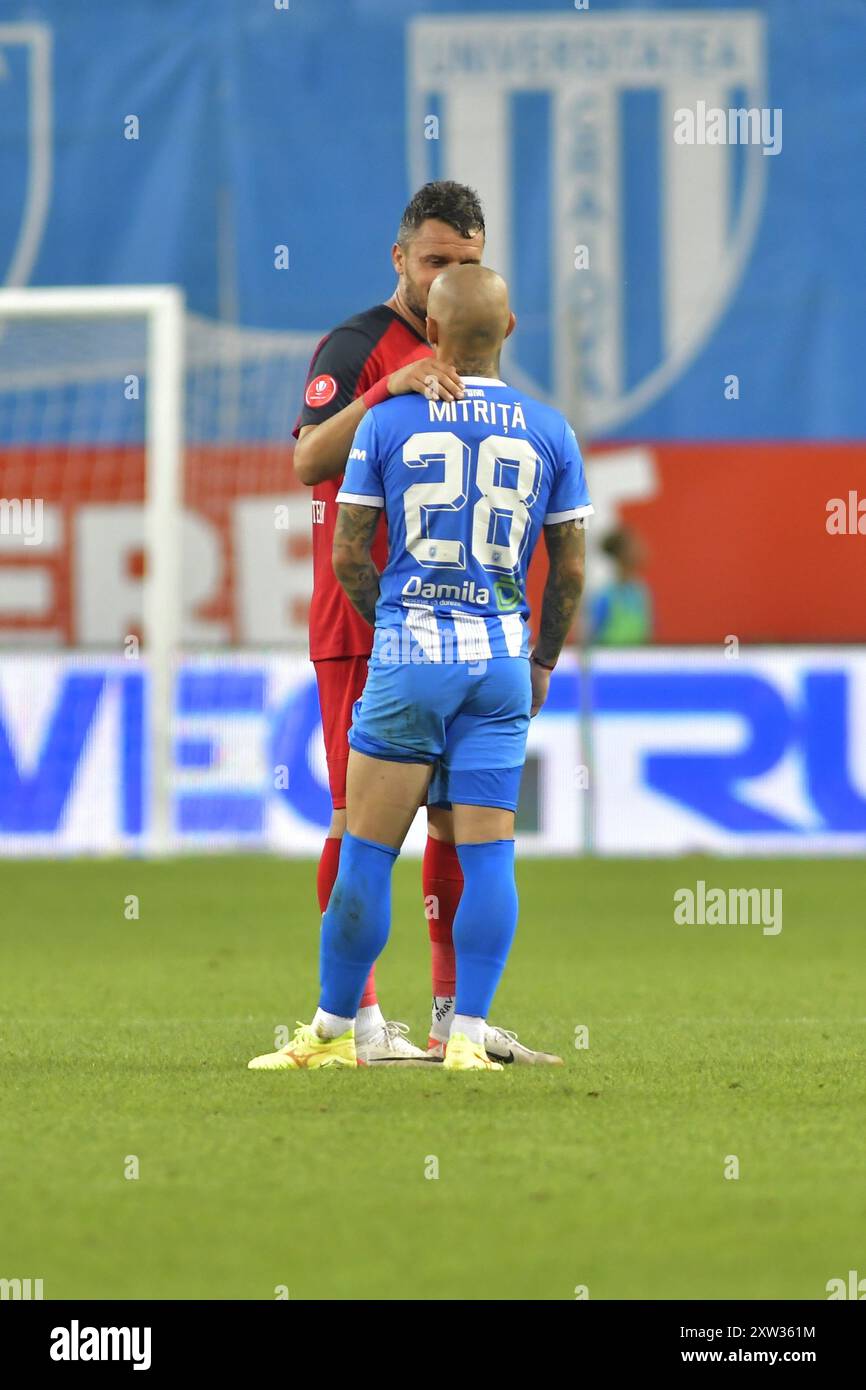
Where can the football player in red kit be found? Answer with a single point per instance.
(378, 353)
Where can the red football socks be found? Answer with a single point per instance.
(442, 879)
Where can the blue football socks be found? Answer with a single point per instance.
(484, 924)
(356, 924)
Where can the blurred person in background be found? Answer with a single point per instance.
(620, 614)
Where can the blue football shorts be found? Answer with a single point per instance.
(470, 719)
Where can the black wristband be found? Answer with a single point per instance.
(541, 663)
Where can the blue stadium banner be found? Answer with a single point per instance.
(657, 243)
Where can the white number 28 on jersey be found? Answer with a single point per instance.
(508, 475)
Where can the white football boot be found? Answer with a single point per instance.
(390, 1046)
(501, 1045)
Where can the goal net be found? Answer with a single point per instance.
(147, 509)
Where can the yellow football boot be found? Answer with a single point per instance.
(463, 1055)
(307, 1050)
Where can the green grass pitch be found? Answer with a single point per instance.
(131, 1037)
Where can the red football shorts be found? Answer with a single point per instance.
(341, 682)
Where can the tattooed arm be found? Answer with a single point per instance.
(566, 551)
(353, 565)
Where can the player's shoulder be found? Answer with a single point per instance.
(541, 416)
(407, 410)
(369, 325)
(345, 354)
(539, 411)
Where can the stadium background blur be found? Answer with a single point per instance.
(697, 311)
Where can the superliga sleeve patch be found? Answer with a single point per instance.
(320, 391)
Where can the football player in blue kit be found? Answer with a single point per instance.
(467, 486)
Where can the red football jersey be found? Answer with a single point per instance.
(345, 364)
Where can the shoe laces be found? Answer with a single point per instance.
(503, 1034)
(393, 1030)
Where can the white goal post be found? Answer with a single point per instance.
(161, 307)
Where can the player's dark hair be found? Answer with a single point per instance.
(446, 201)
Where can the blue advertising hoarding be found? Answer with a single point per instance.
(690, 751)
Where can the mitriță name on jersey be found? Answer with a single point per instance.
(506, 414)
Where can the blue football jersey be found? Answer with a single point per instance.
(467, 486)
